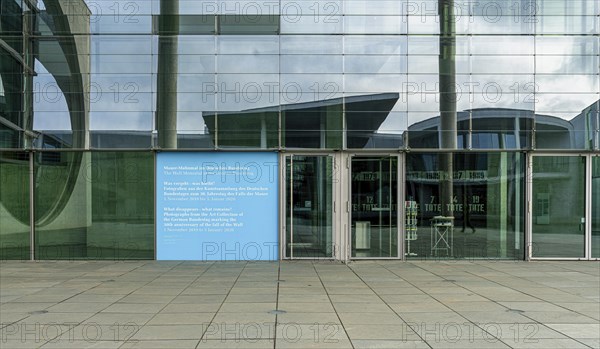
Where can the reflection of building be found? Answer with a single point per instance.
(493, 128)
(501, 128)
(311, 124)
(88, 100)
(63, 48)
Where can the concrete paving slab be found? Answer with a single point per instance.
(307, 304)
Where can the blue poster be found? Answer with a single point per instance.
(217, 206)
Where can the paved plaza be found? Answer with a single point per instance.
(300, 304)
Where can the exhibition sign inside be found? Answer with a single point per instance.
(217, 206)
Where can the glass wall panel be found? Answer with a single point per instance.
(596, 207)
(253, 129)
(94, 205)
(374, 8)
(501, 129)
(566, 45)
(11, 23)
(197, 89)
(12, 108)
(575, 25)
(14, 205)
(567, 8)
(567, 83)
(243, 92)
(501, 21)
(483, 214)
(558, 206)
(563, 129)
(309, 207)
(10, 138)
(375, 45)
(298, 22)
(375, 25)
(307, 64)
(502, 45)
(374, 207)
(311, 44)
(315, 126)
(503, 90)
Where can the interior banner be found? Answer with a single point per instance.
(217, 206)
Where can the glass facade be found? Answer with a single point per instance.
(325, 74)
(88, 84)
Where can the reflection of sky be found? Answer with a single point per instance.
(250, 73)
(51, 111)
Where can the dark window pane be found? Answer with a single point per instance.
(14, 205)
(94, 205)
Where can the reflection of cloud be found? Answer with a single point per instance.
(570, 93)
(313, 67)
(134, 121)
(396, 122)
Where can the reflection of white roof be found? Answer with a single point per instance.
(316, 104)
(497, 113)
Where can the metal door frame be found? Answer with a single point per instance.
(400, 182)
(589, 203)
(283, 205)
(587, 206)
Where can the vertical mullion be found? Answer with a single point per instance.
(400, 207)
(31, 207)
(155, 205)
(528, 207)
(588, 207)
(291, 204)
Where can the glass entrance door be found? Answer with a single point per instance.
(309, 206)
(374, 206)
(558, 198)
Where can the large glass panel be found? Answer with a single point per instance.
(248, 24)
(312, 125)
(482, 213)
(309, 207)
(12, 109)
(501, 129)
(558, 206)
(374, 207)
(567, 90)
(317, 17)
(246, 92)
(251, 129)
(14, 205)
(94, 205)
(596, 207)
